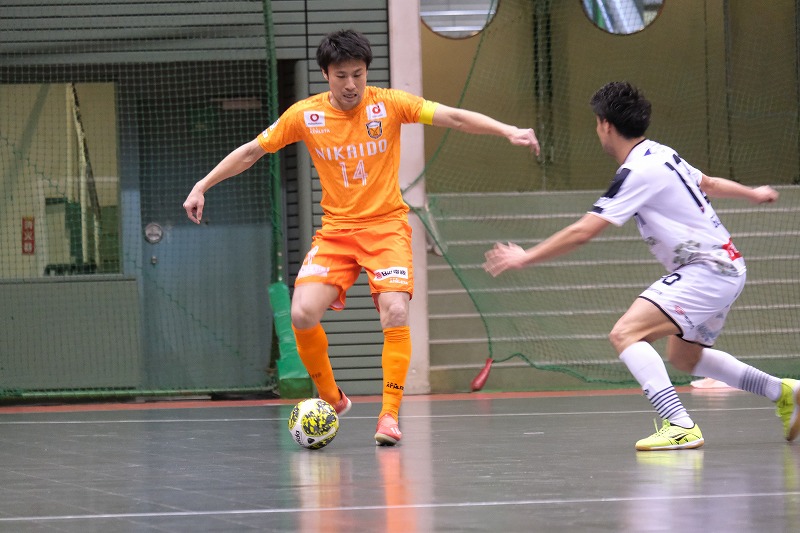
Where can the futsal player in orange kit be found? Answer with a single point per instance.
(352, 132)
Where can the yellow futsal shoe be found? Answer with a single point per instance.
(788, 408)
(671, 437)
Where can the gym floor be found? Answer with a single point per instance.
(513, 462)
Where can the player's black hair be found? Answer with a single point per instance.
(343, 45)
(624, 106)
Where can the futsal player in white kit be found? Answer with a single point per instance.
(667, 198)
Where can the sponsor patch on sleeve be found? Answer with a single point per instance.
(266, 132)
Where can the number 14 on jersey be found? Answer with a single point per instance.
(359, 174)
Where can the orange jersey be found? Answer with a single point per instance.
(355, 152)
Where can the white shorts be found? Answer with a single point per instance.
(697, 300)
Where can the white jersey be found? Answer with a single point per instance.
(662, 192)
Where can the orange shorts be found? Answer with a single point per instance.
(383, 250)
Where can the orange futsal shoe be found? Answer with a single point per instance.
(387, 433)
(343, 405)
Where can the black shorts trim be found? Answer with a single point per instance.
(679, 335)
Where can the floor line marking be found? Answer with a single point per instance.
(295, 510)
(405, 417)
(215, 404)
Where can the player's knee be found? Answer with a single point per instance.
(394, 315)
(303, 317)
(620, 337)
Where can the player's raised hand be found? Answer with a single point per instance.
(764, 195)
(525, 137)
(504, 257)
(194, 206)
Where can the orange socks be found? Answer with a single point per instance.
(312, 346)
(395, 360)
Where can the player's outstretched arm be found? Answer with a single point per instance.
(724, 188)
(477, 123)
(234, 163)
(510, 256)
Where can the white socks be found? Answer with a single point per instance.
(724, 367)
(649, 370)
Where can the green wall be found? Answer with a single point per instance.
(722, 77)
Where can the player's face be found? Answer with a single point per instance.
(347, 81)
(604, 135)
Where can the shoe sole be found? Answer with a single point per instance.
(688, 446)
(385, 440)
(794, 428)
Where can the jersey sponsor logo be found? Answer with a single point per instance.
(374, 129)
(376, 111)
(391, 272)
(679, 311)
(314, 119)
(352, 151)
(733, 253)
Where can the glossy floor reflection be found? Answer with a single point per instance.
(513, 463)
